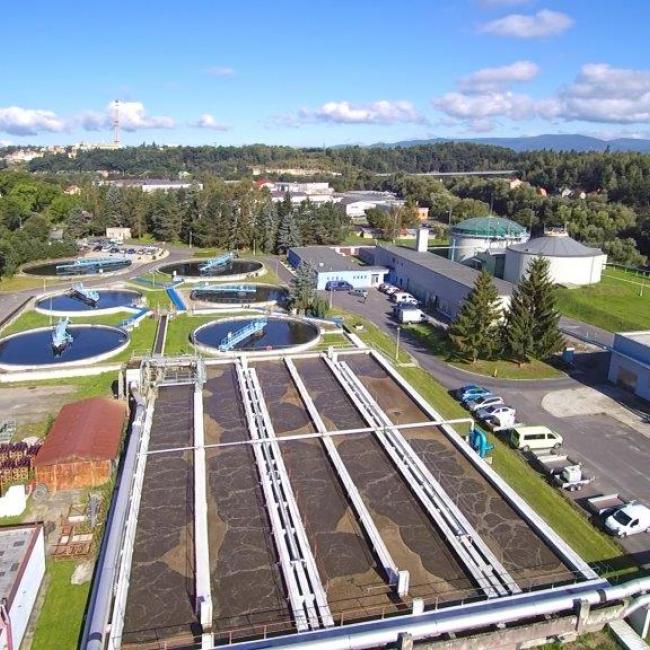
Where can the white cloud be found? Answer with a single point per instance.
(543, 23)
(133, 117)
(221, 71)
(488, 79)
(5, 143)
(208, 121)
(29, 121)
(602, 93)
(481, 106)
(379, 112)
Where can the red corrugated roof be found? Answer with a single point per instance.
(87, 430)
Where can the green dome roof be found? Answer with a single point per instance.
(489, 227)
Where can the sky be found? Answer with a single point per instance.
(322, 72)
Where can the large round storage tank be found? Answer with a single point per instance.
(570, 262)
(480, 234)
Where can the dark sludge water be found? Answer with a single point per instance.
(35, 347)
(108, 299)
(279, 333)
(192, 269)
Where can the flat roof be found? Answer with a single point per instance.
(642, 337)
(16, 543)
(324, 258)
(454, 270)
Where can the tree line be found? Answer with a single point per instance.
(237, 216)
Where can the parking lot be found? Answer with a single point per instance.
(611, 439)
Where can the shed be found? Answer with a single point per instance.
(82, 445)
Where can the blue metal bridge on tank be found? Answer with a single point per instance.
(232, 339)
(60, 335)
(90, 263)
(80, 292)
(228, 288)
(217, 262)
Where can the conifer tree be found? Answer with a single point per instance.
(302, 292)
(531, 329)
(288, 233)
(474, 333)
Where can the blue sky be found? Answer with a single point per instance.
(322, 72)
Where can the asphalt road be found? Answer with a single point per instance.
(616, 453)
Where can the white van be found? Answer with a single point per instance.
(529, 438)
(410, 315)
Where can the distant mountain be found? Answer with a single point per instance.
(556, 142)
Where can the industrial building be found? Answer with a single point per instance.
(82, 445)
(22, 568)
(487, 234)
(629, 364)
(438, 282)
(331, 264)
(570, 262)
(317, 500)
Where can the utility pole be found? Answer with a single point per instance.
(190, 239)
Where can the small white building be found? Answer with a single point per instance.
(357, 202)
(118, 234)
(629, 364)
(22, 567)
(570, 262)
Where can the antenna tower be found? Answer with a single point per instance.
(116, 123)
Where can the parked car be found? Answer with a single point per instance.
(390, 290)
(338, 285)
(500, 410)
(483, 402)
(401, 296)
(529, 438)
(384, 286)
(469, 391)
(628, 520)
(363, 293)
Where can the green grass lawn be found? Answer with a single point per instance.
(370, 334)
(59, 623)
(614, 304)
(180, 328)
(437, 342)
(141, 337)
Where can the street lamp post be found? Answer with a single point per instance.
(399, 329)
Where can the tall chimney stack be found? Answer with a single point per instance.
(422, 240)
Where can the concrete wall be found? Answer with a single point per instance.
(631, 373)
(563, 270)
(27, 591)
(360, 279)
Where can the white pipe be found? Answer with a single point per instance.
(456, 619)
(109, 556)
(642, 601)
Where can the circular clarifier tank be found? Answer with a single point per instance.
(242, 294)
(66, 268)
(277, 334)
(110, 300)
(192, 269)
(33, 348)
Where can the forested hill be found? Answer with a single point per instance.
(235, 162)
